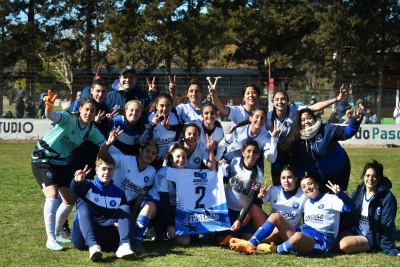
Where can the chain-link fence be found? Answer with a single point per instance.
(230, 86)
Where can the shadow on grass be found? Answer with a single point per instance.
(398, 235)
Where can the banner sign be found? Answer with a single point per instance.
(24, 129)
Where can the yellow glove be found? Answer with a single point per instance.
(49, 100)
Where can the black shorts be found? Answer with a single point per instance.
(47, 174)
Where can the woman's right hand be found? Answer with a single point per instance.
(80, 175)
(114, 136)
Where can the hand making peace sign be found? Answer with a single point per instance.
(80, 175)
(152, 86)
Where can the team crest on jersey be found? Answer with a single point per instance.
(128, 170)
(96, 199)
(146, 179)
(197, 160)
(321, 206)
(255, 186)
(379, 211)
(200, 177)
(275, 200)
(319, 138)
(49, 175)
(73, 131)
(296, 205)
(113, 203)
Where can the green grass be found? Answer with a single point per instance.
(22, 234)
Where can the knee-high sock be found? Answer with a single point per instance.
(263, 232)
(62, 215)
(285, 247)
(141, 224)
(49, 213)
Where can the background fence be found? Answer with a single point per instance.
(230, 85)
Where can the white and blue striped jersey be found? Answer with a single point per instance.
(232, 144)
(187, 113)
(324, 214)
(162, 136)
(128, 177)
(237, 114)
(290, 208)
(161, 184)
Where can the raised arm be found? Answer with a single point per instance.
(215, 99)
(111, 139)
(323, 104)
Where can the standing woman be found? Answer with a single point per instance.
(162, 109)
(373, 221)
(316, 236)
(315, 147)
(50, 165)
(251, 96)
(189, 107)
(285, 115)
(243, 178)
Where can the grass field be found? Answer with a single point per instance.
(22, 234)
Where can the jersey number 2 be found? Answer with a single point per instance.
(200, 190)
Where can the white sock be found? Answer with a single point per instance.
(62, 215)
(49, 212)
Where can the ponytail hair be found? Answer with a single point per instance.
(184, 98)
(247, 121)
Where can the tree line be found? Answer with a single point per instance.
(313, 43)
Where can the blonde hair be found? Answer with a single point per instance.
(131, 102)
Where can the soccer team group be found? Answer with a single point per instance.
(112, 156)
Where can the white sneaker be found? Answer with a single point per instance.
(125, 252)
(95, 253)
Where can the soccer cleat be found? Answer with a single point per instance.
(137, 246)
(61, 239)
(266, 248)
(53, 245)
(150, 234)
(241, 245)
(95, 253)
(226, 240)
(125, 252)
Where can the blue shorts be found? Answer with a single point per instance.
(323, 242)
(356, 231)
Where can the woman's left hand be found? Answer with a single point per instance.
(277, 130)
(333, 187)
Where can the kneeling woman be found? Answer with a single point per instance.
(373, 222)
(316, 236)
